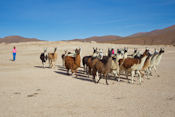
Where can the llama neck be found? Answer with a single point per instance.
(143, 59)
(55, 55)
(125, 55)
(45, 53)
(158, 59)
(153, 59)
(109, 63)
(77, 60)
(94, 55)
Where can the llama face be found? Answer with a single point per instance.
(109, 53)
(161, 50)
(118, 51)
(135, 50)
(45, 50)
(95, 50)
(150, 55)
(65, 51)
(125, 50)
(55, 49)
(77, 51)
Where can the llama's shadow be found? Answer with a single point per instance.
(61, 68)
(62, 73)
(41, 67)
(80, 73)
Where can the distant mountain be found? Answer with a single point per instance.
(156, 37)
(99, 39)
(17, 39)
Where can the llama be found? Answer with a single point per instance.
(133, 64)
(73, 63)
(114, 67)
(52, 57)
(92, 60)
(85, 60)
(157, 61)
(103, 66)
(63, 57)
(43, 57)
(146, 65)
(153, 59)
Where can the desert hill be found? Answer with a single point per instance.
(17, 39)
(99, 39)
(156, 37)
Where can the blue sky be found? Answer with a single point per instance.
(55, 20)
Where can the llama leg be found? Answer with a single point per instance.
(76, 72)
(147, 74)
(86, 69)
(126, 74)
(132, 75)
(119, 75)
(68, 71)
(44, 65)
(89, 72)
(97, 74)
(94, 74)
(106, 78)
(139, 77)
(99, 78)
(54, 64)
(156, 71)
(51, 63)
(72, 71)
(150, 69)
(141, 73)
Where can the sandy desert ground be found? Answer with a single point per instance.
(28, 90)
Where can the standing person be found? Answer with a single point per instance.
(14, 53)
(112, 50)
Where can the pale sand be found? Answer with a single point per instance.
(28, 90)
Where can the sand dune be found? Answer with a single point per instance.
(26, 89)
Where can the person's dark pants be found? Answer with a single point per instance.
(14, 56)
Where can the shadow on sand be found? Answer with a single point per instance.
(82, 76)
(41, 67)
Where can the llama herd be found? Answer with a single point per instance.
(108, 65)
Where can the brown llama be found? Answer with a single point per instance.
(133, 64)
(92, 60)
(85, 60)
(73, 62)
(103, 66)
(52, 57)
